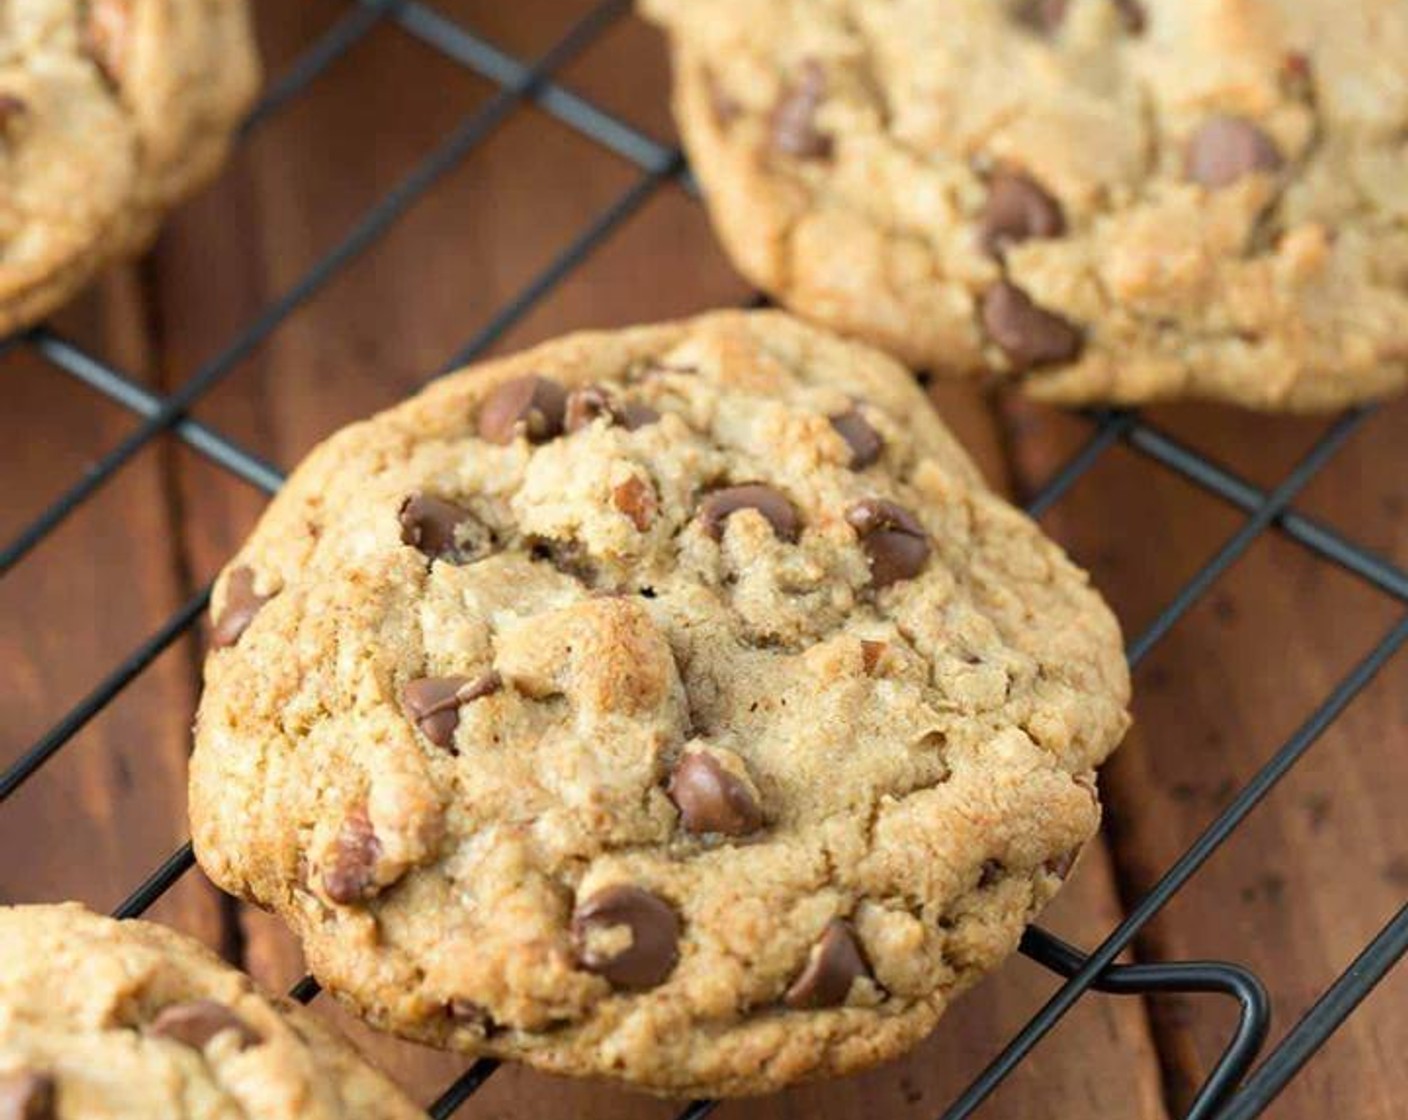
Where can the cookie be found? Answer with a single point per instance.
(1104, 200)
(129, 1019)
(674, 705)
(111, 111)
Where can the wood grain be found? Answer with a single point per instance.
(110, 806)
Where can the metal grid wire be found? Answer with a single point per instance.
(1237, 1088)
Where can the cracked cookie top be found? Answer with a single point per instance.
(110, 112)
(1110, 200)
(131, 1020)
(675, 705)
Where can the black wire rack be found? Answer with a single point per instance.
(1238, 1086)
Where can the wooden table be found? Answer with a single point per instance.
(1312, 875)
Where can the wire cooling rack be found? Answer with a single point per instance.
(1238, 1087)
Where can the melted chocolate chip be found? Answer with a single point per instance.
(1029, 335)
(794, 130)
(720, 505)
(1047, 16)
(710, 799)
(434, 702)
(195, 1023)
(864, 441)
(532, 406)
(636, 500)
(593, 402)
(586, 405)
(470, 1014)
(429, 523)
(654, 928)
(242, 603)
(1225, 149)
(893, 538)
(351, 875)
(106, 35)
(1017, 210)
(26, 1095)
(834, 965)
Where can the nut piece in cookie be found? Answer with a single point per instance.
(627, 935)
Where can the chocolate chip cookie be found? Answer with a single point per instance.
(130, 1020)
(1107, 200)
(674, 705)
(110, 112)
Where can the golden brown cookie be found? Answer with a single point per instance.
(1109, 200)
(675, 705)
(111, 111)
(132, 1021)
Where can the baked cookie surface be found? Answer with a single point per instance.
(1110, 200)
(111, 111)
(106, 1019)
(675, 705)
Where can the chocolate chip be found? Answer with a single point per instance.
(106, 34)
(635, 415)
(710, 799)
(893, 538)
(834, 965)
(654, 929)
(195, 1023)
(429, 523)
(25, 1095)
(991, 872)
(242, 603)
(13, 110)
(720, 505)
(531, 405)
(1136, 19)
(1225, 149)
(593, 402)
(870, 654)
(1029, 335)
(1017, 210)
(350, 877)
(586, 405)
(794, 130)
(470, 1014)
(1047, 16)
(434, 702)
(1044, 16)
(636, 500)
(864, 441)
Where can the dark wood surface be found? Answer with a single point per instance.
(1296, 892)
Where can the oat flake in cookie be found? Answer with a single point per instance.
(1108, 200)
(111, 111)
(674, 705)
(132, 1021)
